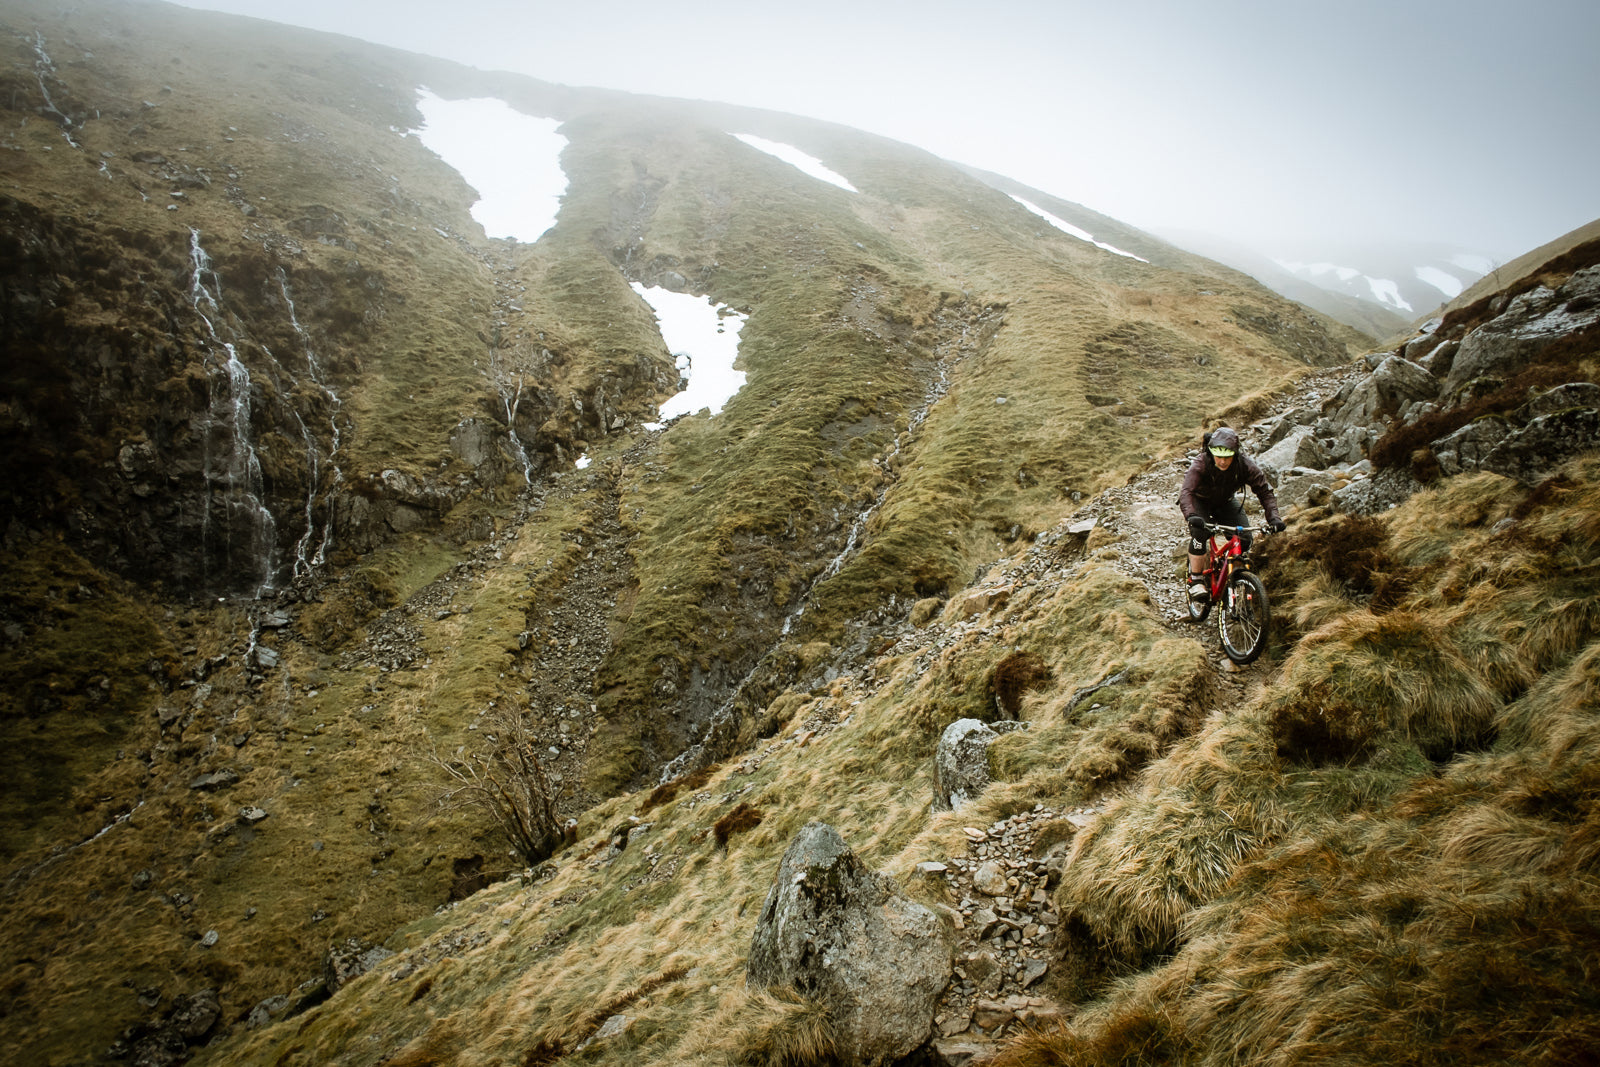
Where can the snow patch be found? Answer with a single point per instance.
(1446, 283)
(795, 158)
(512, 160)
(1068, 228)
(705, 339)
(1385, 291)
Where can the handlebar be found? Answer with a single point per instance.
(1219, 528)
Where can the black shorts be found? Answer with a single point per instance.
(1229, 513)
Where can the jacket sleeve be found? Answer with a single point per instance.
(1191, 483)
(1258, 482)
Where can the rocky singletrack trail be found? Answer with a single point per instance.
(1149, 532)
(1147, 528)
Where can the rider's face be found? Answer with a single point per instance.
(1222, 462)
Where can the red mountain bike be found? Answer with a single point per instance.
(1237, 593)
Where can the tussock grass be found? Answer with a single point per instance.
(1450, 517)
(1157, 853)
(1390, 910)
(1400, 673)
(778, 1029)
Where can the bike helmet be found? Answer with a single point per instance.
(1224, 442)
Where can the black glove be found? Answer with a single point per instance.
(1197, 527)
(1277, 526)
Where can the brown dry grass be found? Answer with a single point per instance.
(1390, 911)
(740, 820)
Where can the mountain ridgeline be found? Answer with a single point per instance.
(320, 502)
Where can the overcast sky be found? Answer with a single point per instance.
(1467, 122)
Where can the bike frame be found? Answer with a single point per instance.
(1222, 560)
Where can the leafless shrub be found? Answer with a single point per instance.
(504, 780)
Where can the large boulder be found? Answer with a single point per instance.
(1466, 448)
(1303, 485)
(1539, 436)
(1342, 442)
(1298, 449)
(961, 762)
(1379, 493)
(844, 935)
(1532, 453)
(1395, 383)
(1562, 398)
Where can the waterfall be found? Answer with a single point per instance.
(303, 563)
(511, 405)
(43, 65)
(230, 457)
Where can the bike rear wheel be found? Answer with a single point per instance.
(1243, 617)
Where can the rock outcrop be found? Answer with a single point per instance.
(839, 932)
(1499, 389)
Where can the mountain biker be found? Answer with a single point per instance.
(1207, 495)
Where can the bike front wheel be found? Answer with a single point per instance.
(1243, 617)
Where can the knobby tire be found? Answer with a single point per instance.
(1243, 617)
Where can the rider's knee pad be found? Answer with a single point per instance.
(1196, 548)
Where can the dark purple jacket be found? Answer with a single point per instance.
(1206, 484)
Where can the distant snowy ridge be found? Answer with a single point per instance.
(1389, 279)
(1384, 290)
(791, 155)
(1074, 231)
(1444, 281)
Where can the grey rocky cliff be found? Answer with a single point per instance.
(842, 934)
(1530, 322)
(1318, 454)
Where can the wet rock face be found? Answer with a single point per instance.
(1530, 322)
(178, 448)
(186, 392)
(847, 936)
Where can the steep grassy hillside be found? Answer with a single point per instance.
(279, 597)
(1386, 853)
